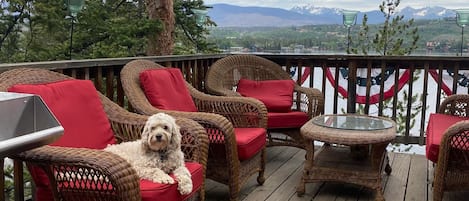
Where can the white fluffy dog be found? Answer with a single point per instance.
(157, 153)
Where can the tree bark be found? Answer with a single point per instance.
(161, 43)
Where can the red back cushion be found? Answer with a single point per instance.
(277, 95)
(77, 106)
(166, 89)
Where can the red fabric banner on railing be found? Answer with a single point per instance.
(447, 79)
(376, 77)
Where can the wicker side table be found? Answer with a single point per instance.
(336, 161)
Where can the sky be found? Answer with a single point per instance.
(359, 5)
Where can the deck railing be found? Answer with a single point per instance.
(105, 74)
(411, 114)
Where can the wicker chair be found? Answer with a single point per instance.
(223, 77)
(90, 163)
(219, 116)
(452, 167)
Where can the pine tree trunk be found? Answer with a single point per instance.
(161, 43)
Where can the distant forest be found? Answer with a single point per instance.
(436, 37)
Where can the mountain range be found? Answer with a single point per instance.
(226, 15)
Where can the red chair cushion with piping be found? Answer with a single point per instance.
(78, 108)
(293, 119)
(165, 88)
(277, 95)
(157, 191)
(437, 125)
(249, 141)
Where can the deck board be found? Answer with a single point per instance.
(397, 181)
(410, 180)
(430, 180)
(292, 173)
(417, 179)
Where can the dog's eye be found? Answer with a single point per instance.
(165, 127)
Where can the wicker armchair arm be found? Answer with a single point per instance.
(311, 100)
(194, 142)
(67, 167)
(221, 91)
(127, 126)
(457, 104)
(213, 123)
(243, 112)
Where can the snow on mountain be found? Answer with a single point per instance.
(313, 10)
(230, 15)
(421, 13)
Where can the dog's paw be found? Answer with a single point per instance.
(164, 179)
(185, 187)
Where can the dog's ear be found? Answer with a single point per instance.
(144, 135)
(175, 136)
(146, 130)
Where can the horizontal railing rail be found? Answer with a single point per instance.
(430, 77)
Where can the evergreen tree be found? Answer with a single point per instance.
(13, 15)
(112, 28)
(191, 37)
(394, 37)
(38, 30)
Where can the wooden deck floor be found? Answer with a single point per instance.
(410, 180)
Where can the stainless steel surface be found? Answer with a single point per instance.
(25, 123)
(352, 122)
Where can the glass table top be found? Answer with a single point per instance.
(352, 122)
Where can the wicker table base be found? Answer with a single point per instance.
(337, 161)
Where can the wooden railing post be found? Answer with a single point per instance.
(18, 179)
(2, 180)
(352, 87)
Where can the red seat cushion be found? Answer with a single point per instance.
(437, 125)
(156, 191)
(165, 88)
(150, 190)
(292, 119)
(277, 95)
(78, 108)
(249, 141)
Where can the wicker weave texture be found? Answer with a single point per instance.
(66, 167)
(452, 169)
(223, 76)
(218, 115)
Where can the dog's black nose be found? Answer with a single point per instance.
(158, 137)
